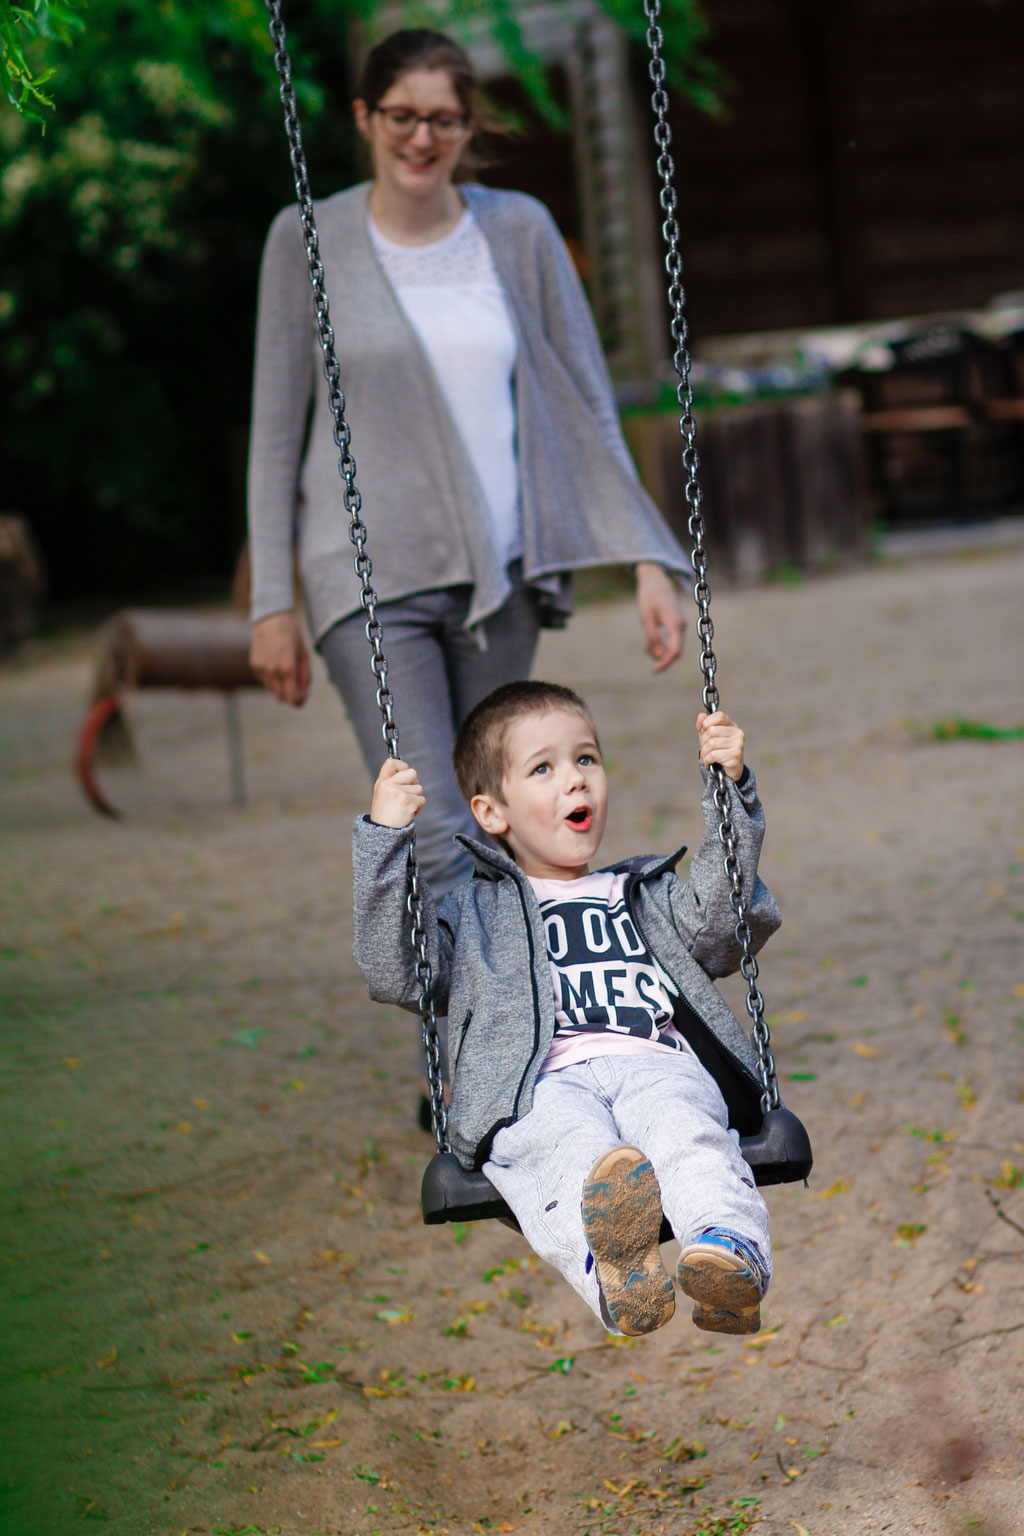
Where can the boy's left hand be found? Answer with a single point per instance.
(721, 741)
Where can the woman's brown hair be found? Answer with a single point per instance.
(420, 48)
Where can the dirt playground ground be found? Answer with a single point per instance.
(220, 1312)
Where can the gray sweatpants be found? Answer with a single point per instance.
(664, 1103)
(437, 673)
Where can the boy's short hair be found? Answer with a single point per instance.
(478, 755)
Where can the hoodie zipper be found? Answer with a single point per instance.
(536, 1000)
(631, 885)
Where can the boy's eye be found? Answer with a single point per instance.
(541, 768)
(586, 760)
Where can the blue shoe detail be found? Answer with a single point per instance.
(725, 1276)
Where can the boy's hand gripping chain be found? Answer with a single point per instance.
(357, 533)
(698, 558)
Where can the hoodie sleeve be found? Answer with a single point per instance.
(701, 905)
(382, 927)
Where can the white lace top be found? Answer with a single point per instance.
(454, 300)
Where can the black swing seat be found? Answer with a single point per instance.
(779, 1153)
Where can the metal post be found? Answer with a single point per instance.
(236, 757)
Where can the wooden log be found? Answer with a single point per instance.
(783, 481)
(747, 489)
(164, 648)
(829, 509)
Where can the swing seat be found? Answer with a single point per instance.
(779, 1153)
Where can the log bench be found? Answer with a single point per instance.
(165, 648)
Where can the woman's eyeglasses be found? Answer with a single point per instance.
(402, 123)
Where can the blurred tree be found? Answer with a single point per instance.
(132, 231)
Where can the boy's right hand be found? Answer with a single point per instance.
(398, 795)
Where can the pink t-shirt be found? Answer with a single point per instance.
(611, 995)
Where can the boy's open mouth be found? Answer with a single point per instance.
(580, 818)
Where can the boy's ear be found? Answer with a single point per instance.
(489, 814)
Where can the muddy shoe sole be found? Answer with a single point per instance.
(621, 1210)
(727, 1294)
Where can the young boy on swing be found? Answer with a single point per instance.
(597, 1076)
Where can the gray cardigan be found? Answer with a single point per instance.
(491, 975)
(582, 504)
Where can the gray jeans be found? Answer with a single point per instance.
(669, 1107)
(437, 672)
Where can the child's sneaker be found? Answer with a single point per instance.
(725, 1276)
(621, 1210)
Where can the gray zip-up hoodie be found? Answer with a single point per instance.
(491, 973)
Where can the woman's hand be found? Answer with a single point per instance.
(279, 658)
(657, 601)
(721, 741)
(398, 795)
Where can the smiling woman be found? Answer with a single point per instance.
(491, 462)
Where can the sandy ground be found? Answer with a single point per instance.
(220, 1312)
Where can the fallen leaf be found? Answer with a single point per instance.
(840, 1187)
(1009, 1176)
(107, 1361)
(248, 1037)
(864, 1050)
(393, 1315)
(260, 1256)
(72, 1062)
(326, 1445)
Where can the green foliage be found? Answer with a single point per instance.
(179, 33)
(958, 729)
(22, 82)
(132, 232)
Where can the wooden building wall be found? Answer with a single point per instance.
(872, 164)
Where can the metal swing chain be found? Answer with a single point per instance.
(698, 558)
(357, 534)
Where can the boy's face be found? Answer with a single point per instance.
(554, 795)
